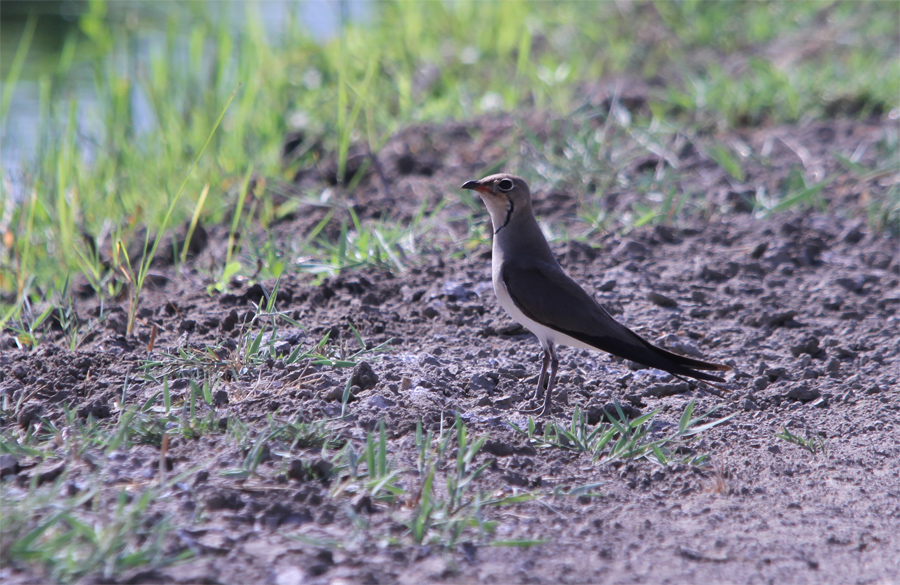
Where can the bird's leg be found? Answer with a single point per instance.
(551, 360)
(554, 366)
(545, 361)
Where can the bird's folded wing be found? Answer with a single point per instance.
(547, 295)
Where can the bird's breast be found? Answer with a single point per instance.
(545, 334)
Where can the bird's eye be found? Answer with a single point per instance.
(505, 185)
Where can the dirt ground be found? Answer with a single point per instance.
(803, 305)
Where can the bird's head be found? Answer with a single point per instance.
(505, 196)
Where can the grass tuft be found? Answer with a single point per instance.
(620, 438)
(812, 444)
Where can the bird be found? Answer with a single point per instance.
(534, 289)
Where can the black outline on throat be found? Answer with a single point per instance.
(509, 212)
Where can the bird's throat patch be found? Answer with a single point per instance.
(509, 211)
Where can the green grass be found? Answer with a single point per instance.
(620, 438)
(366, 83)
(96, 522)
(66, 532)
(813, 444)
(258, 342)
(88, 533)
(435, 513)
(378, 479)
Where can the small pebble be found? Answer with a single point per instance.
(809, 345)
(803, 393)
(661, 300)
(607, 286)
(811, 373)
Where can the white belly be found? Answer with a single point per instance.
(545, 335)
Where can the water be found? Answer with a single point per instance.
(57, 20)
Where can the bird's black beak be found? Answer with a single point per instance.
(475, 186)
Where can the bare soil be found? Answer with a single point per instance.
(803, 304)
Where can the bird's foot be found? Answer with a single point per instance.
(541, 411)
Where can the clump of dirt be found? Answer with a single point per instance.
(803, 305)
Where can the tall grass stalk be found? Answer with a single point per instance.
(193, 225)
(136, 281)
(15, 68)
